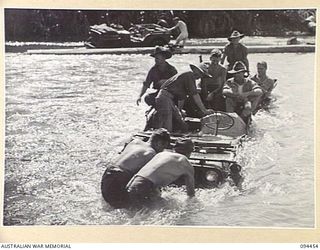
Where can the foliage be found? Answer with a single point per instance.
(73, 25)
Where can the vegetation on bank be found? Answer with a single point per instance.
(44, 25)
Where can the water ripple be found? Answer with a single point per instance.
(67, 116)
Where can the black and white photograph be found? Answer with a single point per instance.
(151, 117)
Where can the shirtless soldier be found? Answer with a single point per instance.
(165, 168)
(135, 155)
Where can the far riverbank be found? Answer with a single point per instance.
(20, 47)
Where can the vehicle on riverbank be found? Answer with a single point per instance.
(139, 35)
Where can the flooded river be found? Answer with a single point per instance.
(67, 116)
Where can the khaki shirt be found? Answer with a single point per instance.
(266, 84)
(235, 53)
(181, 85)
(237, 88)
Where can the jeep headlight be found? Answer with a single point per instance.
(211, 176)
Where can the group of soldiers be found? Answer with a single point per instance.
(221, 88)
(144, 167)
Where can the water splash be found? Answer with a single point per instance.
(68, 116)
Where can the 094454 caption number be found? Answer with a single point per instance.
(313, 246)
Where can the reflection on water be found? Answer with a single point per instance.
(67, 116)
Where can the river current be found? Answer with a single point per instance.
(67, 116)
